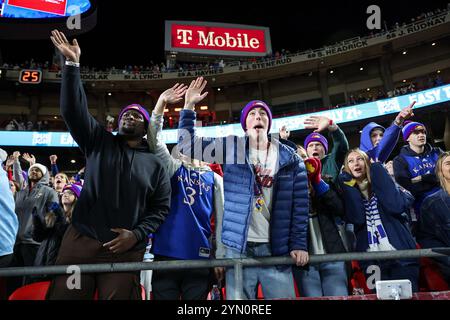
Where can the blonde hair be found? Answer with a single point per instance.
(64, 176)
(68, 213)
(439, 173)
(366, 162)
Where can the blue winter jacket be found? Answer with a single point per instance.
(434, 224)
(392, 205)
(386, 145)
(409, 164)
(9, 223)
(290, 205)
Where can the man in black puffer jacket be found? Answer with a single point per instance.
(125, 197)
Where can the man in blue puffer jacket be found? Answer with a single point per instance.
(266, 195)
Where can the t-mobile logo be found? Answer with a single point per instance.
(184, 36)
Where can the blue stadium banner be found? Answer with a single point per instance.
(358, 112)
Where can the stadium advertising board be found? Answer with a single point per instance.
(223, 39)
(57, 7)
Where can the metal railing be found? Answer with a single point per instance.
(237, 264)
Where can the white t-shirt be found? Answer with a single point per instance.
(265, 163)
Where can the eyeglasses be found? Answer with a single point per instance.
(135, 115)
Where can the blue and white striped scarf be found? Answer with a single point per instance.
(376, 234)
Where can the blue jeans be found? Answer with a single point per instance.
(323, 279)
(276, 282)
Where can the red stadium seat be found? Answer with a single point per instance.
(431, 278)
(260, 295)
(38, 291)
(34, 291)
(358, 279)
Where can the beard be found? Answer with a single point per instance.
(127, 130)
(35, 179)
(131, 131)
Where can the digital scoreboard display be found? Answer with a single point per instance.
(30, 76)
(41, 9)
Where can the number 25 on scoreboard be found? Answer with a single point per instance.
(30, 76)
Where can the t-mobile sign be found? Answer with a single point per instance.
(49, 6)
(217, 38)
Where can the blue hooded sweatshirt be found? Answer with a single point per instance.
(9, 223)
(386, 145)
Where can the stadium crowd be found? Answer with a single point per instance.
(258, 195)
(161, 67)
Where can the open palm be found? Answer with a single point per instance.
(174, 94)
(319, 123)
(194, 93)
(71, 52)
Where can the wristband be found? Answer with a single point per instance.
(73, 64)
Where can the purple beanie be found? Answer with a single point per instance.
(315, 136)
(138, 108)
(409, 127)
(250, 106)
(75, 188)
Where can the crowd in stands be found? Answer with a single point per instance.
(430, 81)
(27, 125)
(347, 200)
(354, 98)
(155, 67)
(259, 195)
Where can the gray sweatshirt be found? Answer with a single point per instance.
(40, 197)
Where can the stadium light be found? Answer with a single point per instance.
(404, 80)
(166, 110)
(178, 109)
(109, 94)
(368, 89)
(218, 89)
(439, 71)
(404, 52)
(72, 161)
(361, 69)
(331, 71)
(433, 44)
(204, 108)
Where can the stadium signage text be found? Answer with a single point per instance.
(338, 49)
(143, 76)
(424, 25)
(264, 65)
(241, 41)
(89, 76)
(217, 38)
(200, 73)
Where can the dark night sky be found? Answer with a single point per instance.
(133, 32)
